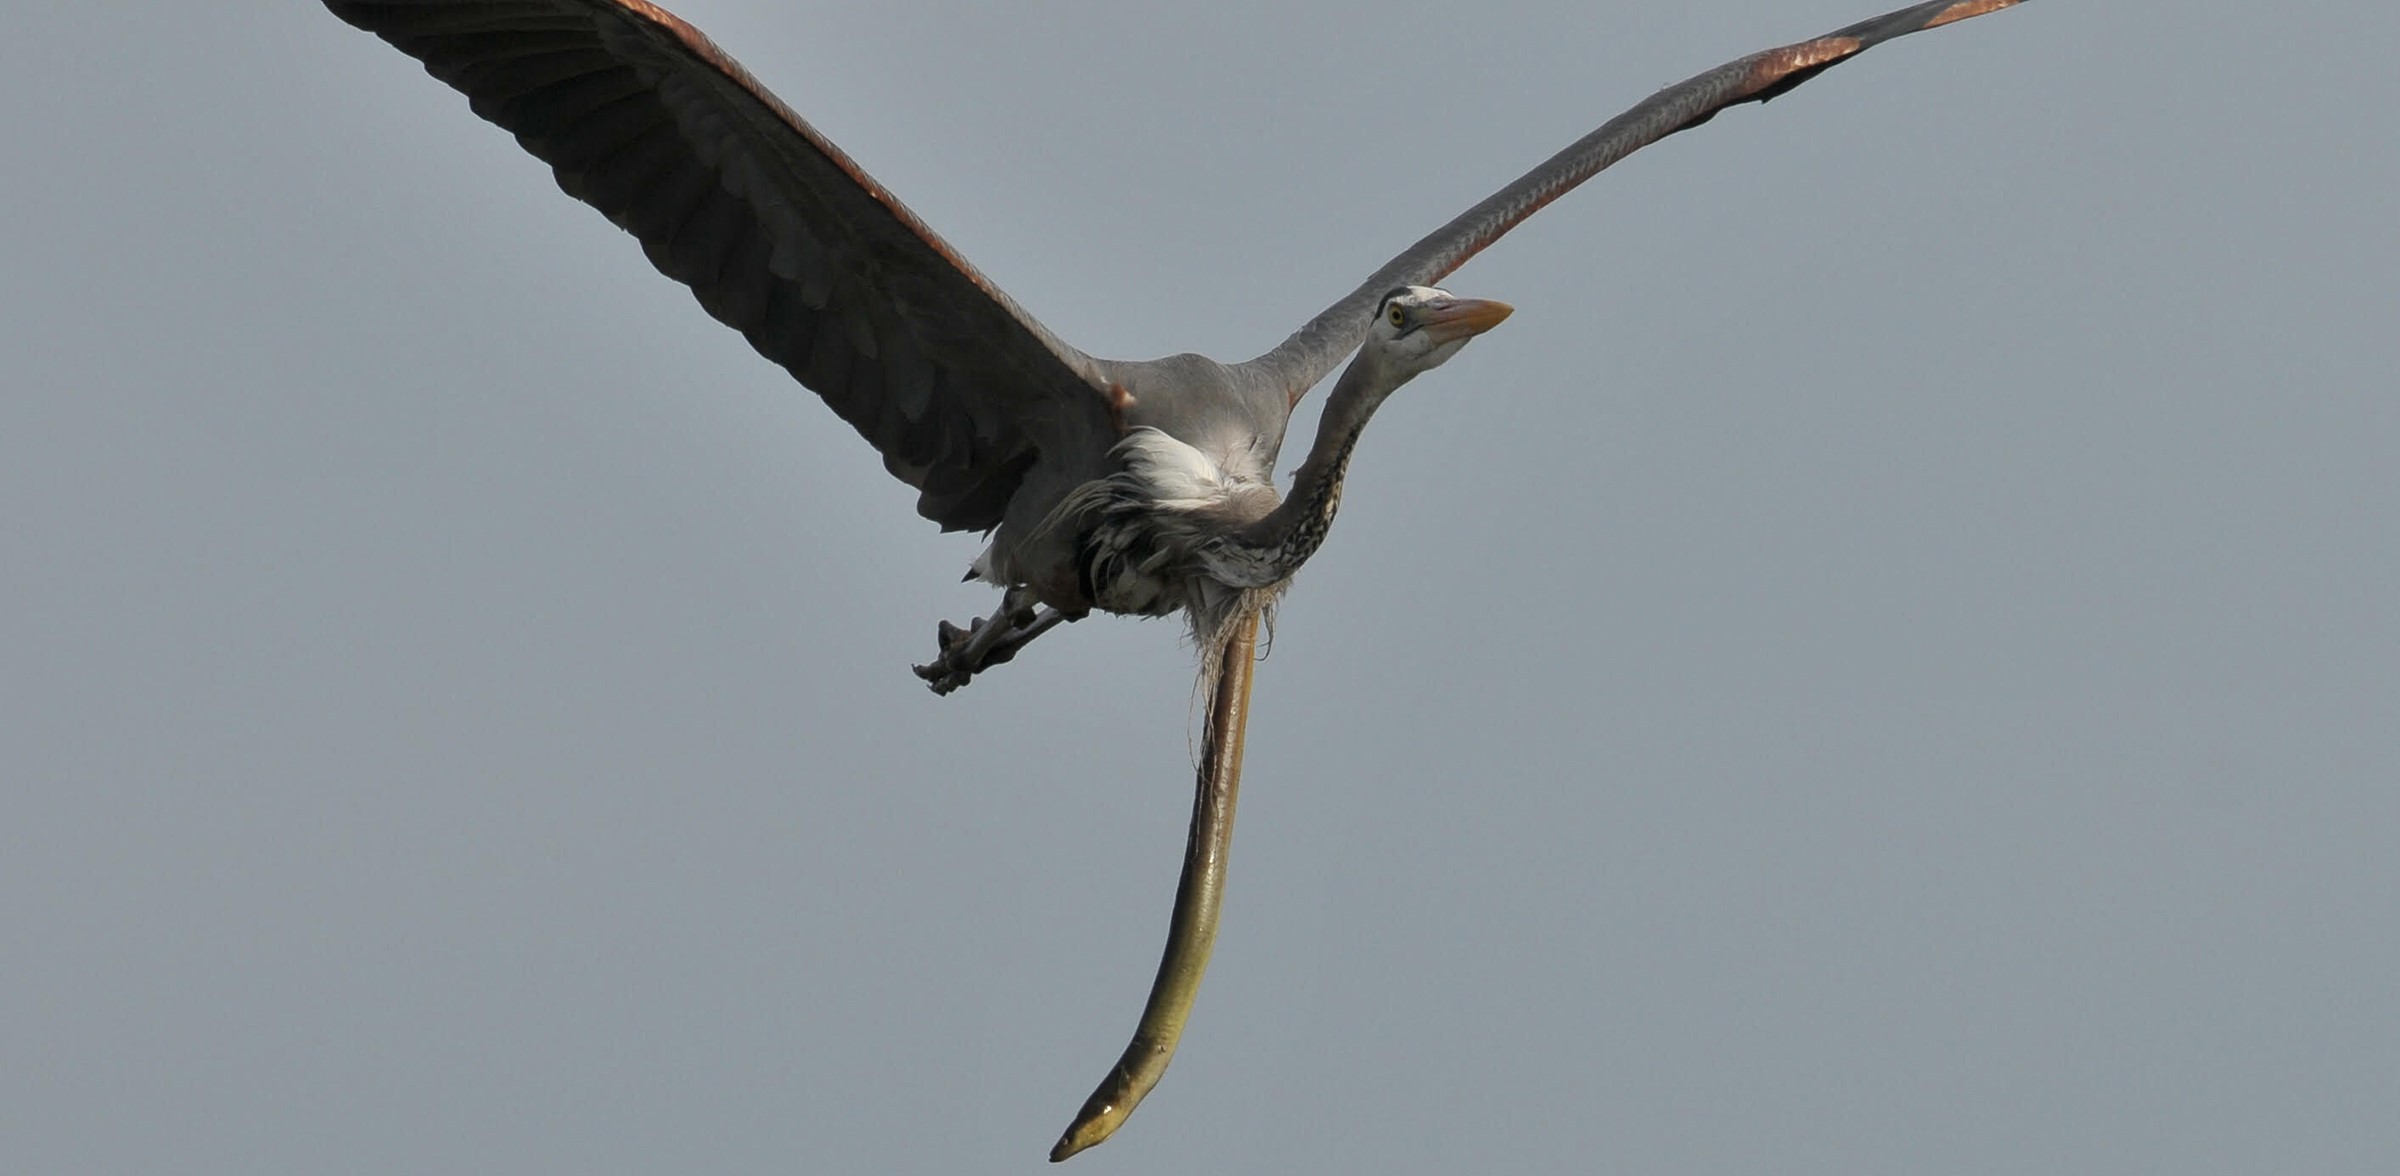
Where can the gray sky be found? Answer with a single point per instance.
(1886, 664)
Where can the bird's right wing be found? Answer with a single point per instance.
(1304, 358)
(779, 234)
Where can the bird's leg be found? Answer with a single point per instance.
(987, 641)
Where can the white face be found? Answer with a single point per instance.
(1417, 328)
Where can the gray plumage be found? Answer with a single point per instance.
(971, 400)
(1138, 487)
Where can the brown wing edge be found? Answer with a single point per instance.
(949, 378)
(699, 46)
(1304, 358)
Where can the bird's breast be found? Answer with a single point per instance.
(1150, 531)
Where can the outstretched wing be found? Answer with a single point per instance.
(777, 232)
(1304, 358)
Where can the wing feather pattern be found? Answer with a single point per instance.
(776, 231)
(1304, 358)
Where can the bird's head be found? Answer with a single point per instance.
(1417, 328)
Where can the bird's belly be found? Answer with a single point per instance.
(1149, 532)
(1125, 569)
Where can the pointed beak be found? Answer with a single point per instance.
(1464, 319)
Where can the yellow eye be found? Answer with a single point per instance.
(1399, 315)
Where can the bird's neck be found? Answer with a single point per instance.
(1274, 547)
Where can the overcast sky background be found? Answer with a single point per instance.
(1888, 663)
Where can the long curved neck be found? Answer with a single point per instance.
(1285, 537)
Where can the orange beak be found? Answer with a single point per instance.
(1465, 319)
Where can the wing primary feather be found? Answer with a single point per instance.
(1303, 359)
(761, 216)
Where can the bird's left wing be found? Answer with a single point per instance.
(1304, 358)
(779, 234)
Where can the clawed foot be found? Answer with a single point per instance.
(950, 669)
(984, 643)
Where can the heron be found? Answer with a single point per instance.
(1141, 487)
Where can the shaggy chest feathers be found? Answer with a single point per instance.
(1159, 534)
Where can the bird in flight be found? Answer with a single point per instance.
(1143, 487)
